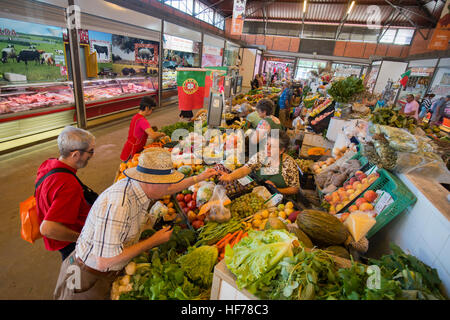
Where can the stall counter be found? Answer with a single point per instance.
(423, 230)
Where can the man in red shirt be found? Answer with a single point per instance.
(61, 204)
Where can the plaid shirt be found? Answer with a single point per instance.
(115, 221)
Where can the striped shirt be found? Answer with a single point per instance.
(115, 221)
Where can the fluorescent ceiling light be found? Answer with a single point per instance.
(304, 6)
(351, 7)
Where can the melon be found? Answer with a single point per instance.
(322, 228)
(339, 251)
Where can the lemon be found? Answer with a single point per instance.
(257, 216)
(265, 214)
(256, 223)
(288, 210)
(289, 205)
(282, 214)
(273, 214)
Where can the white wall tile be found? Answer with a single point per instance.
(423, 252)
(444, 255)
(444, 276)
(435, 234)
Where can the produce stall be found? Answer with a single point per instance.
(249, 243)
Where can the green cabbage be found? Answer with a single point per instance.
(255, 256)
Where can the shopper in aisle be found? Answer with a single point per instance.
(140, 130)
(110, 238)
(61, 201)
(245, 112)
(260, 80)
(285, 104)
(265, 108)
(255, 82)
(281, 173)
(425, 106)
(438, 110)
(411, 107)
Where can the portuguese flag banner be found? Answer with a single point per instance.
(405, 77)
(221, 71)
(191, 88)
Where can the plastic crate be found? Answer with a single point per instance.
(402, 196)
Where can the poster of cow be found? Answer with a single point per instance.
(30, 52)
(103, 50)
(146, 53)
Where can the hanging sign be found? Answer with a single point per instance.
(237, 23)
(441, 34)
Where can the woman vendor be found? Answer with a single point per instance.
(140, 130)
(268, 122)
(283, 175)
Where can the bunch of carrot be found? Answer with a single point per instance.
(231, 238)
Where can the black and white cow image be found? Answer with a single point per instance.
(28, 55)
(47, 58)
(128, 71)
(145, 53)
(101, 50)
(58, 51)
(8, 53)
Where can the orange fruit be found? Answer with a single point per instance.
(366, 207)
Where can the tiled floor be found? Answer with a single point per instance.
(29, 271)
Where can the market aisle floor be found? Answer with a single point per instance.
(29, 271)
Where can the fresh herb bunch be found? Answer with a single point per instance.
(343, 90)
(389, 117)
(418, 280)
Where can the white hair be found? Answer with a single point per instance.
(72, 138)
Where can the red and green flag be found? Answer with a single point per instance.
(191, 88)
(405, 77)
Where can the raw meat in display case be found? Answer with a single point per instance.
(23, 98)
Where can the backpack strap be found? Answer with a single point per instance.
(56, 170)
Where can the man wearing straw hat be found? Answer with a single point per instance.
(110, 237)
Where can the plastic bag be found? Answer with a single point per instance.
(359, 223)
(399, 139)
(205, 193)
(29, 229)
(262, 192)
(218, 212)
(158, 210)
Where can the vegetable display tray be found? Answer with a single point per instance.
(402, 196)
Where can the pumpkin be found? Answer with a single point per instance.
(322, 227)
(316, 151)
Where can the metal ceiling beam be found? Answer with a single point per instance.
(344, 18)
(321, 22)
(265, 4)
(390, 20)
(400, 9)
(210, 7)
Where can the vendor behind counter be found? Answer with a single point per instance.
(284, 177)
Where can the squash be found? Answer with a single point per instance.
(302, 237)
(339, 251)
(322, 227)
(316, 151)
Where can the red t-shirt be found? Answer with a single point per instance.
(141, 126)
(60, 199)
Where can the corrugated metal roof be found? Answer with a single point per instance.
(334, 11)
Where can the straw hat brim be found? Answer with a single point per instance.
(174, 177)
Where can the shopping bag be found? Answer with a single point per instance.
(29, 219)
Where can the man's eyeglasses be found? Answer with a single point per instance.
(91, 152)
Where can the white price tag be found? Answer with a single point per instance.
(384, 199)
(245, 180)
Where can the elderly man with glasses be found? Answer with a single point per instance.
(62, 200)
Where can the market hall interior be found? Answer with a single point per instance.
(29, 271)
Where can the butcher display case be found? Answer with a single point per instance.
(105, 96)
(20, 99)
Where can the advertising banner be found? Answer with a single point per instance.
(237, 23)
(441, 34)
